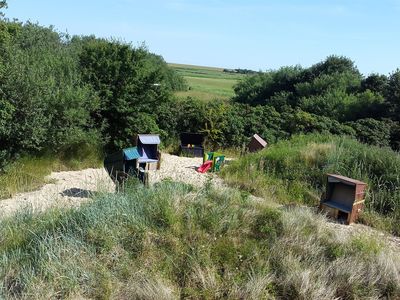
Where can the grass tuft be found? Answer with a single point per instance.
(171, 241)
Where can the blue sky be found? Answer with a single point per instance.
(250, 34)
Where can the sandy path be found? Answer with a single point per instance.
(66, 189)
(182, 169)
(74, 187)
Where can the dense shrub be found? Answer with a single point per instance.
(334, 89)
(130, 82)
(44, 102)
(58, 93)
(393, 95)
(373, 132)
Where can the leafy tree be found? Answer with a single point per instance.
(368, 104)
(299, 121)
(333, 104)
(347, 82)
(167, 75)
(373, 132)
(265, 121)
(393, 94)
(331, 65)
(190, 115)
(234, 127)
(258, 89)
(249, 90)
(43, 101)
(129, 85)
(283, 101)
(376, 83)
(395, 136)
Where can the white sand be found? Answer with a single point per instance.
(182, 169)
(74, 187)
(69, 189)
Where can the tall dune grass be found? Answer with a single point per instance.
(170, 242)
(294, 171)
(29, 172)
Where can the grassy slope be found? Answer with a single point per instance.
(294, 171)
(207, 83)
(172, 242)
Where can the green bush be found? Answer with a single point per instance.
(268, 225)
(373, 132)
(58, 92)
(44, 100)
(326, 96)
(130, 82)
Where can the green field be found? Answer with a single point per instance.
(207, 83)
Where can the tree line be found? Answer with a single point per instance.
(330, 97)
(331, 93)
(62, 94)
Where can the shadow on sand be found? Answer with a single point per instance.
(78, 193)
